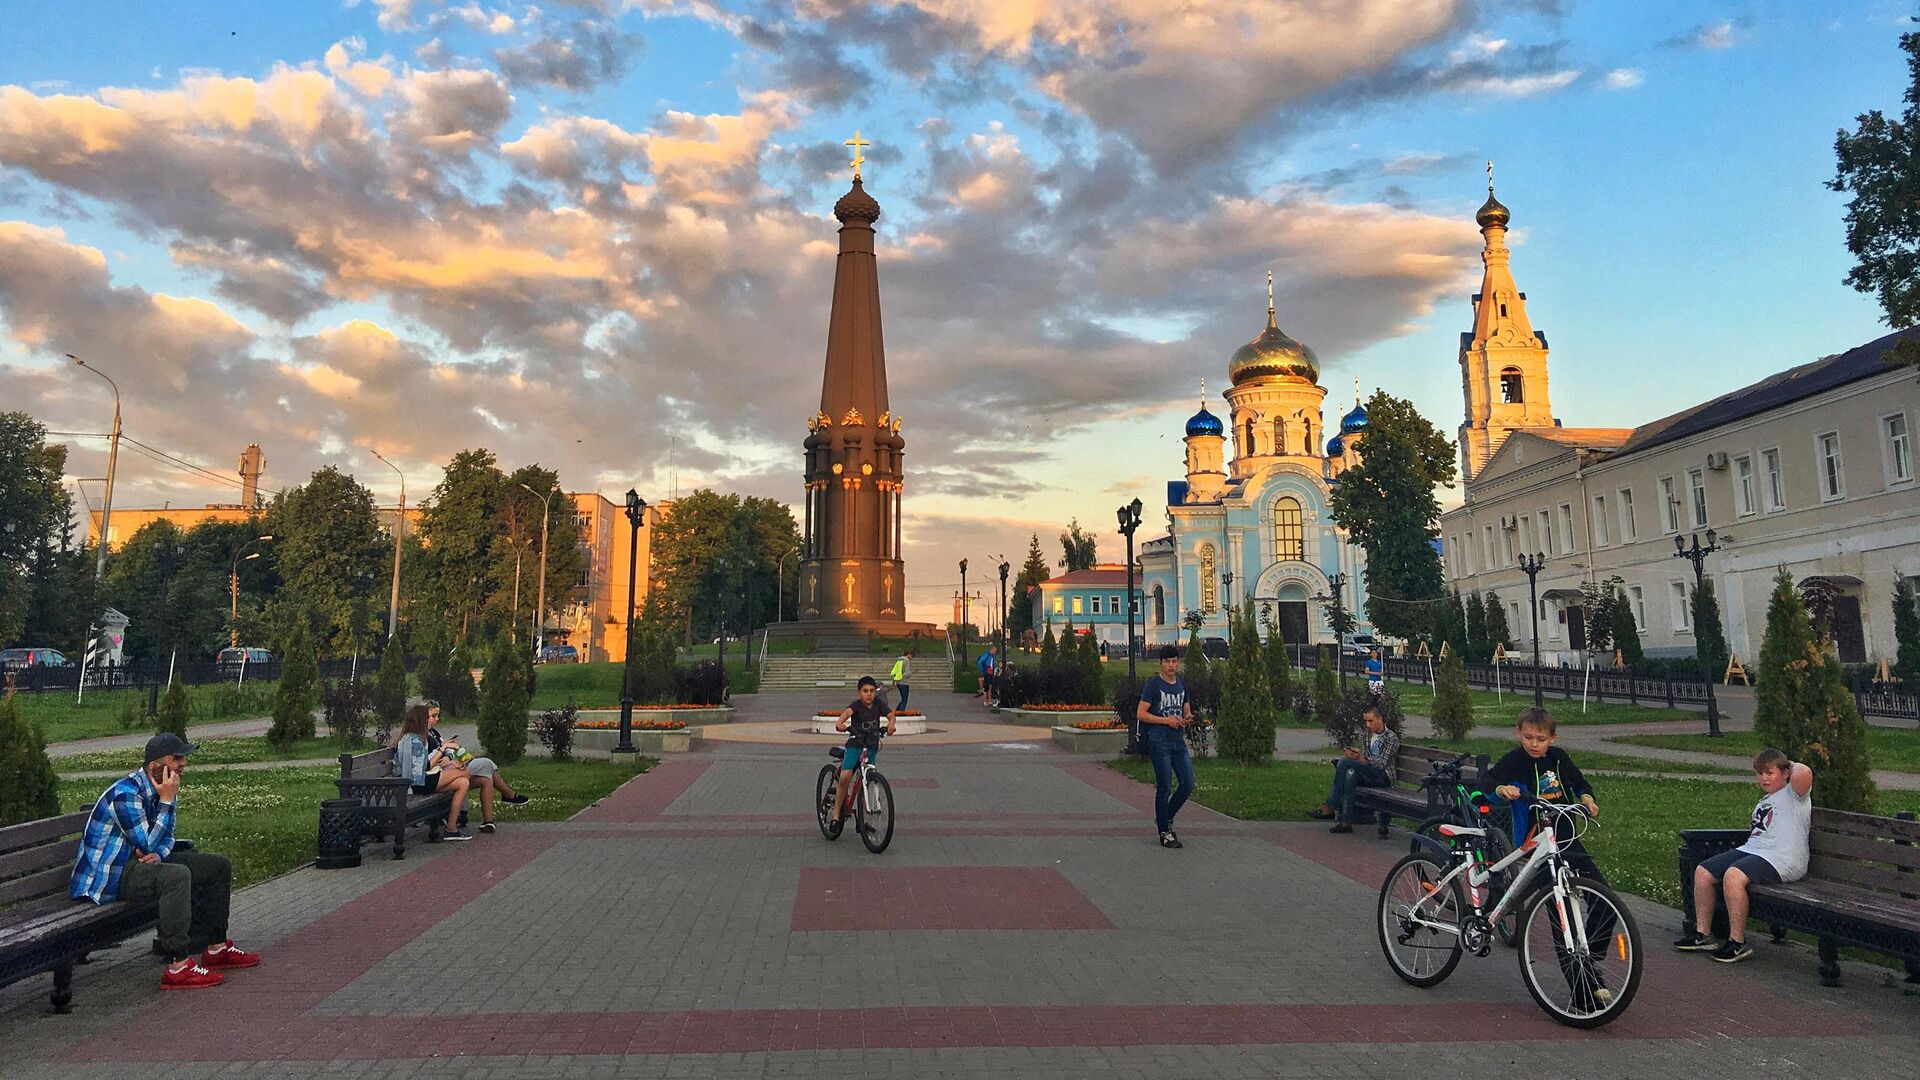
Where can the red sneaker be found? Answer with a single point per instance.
(226, 955)
(191, 977)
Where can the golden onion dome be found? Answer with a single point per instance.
(1492, 213)
(1273, 355)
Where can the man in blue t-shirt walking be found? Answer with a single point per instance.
(1164, 714)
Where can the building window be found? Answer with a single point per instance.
(1776, 485)
(1513, 620)
(1524, 525)
(1486, 547)
(1510, 382)
(1599, 521)
(1248, 449)
(1465, 544)
(1079, 606)
(1682, 617)
(1506, 545)
(1209, 582)
(1637, 600)
(1697, 496)
(1629, 532)
(1545, 533)
(1096, 604)
(1899, 449)
(1289, 535)
(1059, 605)
(1832, 481)
(1669, 506)
(1159, 605)
(1554, 617)
(1567, 545)
(1743, 490)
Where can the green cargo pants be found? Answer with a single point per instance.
(194, 889)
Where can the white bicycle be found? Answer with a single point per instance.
(1579, 947)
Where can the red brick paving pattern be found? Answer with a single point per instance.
(942, 898)
(662, 785)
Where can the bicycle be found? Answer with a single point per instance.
(868, 795)
(1471, 807)
(1570, 930)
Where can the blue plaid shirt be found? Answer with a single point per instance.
(128, 819)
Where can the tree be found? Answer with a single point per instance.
(1279, 668)
(1247, 715)
(175, 710)
(1709, 640)
(1478, 647)
(299, 690)
(1802, 705)
(1626, 632)
(1032, 572)
(1906, 633)
(37, 504)
(1093, 687)
(389, 697)
(709, 551)
(332, 560)
(463, 698)
(518, 520)
(459, 523)
(1387, 505)
(1599, 602)
(29, 789)
(1498, 633)
(1326, 690)
(1879, 163)
(1077, 548)
(1197, 671)
(504, 697)
(1450, 624)
(1452, 702)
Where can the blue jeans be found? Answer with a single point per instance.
(1349, 775)
(902, 687)
(1167, 747)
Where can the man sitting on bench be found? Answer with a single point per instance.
(128, 853)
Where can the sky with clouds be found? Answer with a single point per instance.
(597, 234)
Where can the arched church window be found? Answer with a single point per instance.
(1209, 581)
(1248, 449)
(1503, 311)
(1510, 382)
(1289, 535)
(1159, 605)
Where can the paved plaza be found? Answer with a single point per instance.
(1023, 923)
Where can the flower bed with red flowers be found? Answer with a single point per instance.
(1099, 725)
(902, 712)
(638, 725)
(1065, 708)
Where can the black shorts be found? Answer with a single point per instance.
(1758, 869)
(432, 785)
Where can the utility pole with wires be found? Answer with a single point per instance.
(113, 460)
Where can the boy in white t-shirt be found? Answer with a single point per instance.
(1776, 852)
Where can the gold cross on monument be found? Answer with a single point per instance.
(858, 159)
(1489, 177)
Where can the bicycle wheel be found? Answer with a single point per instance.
(1593, 983)
(823, 803)
(1420, 955)
(876, 825)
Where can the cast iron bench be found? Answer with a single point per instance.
(1862, 887)
(1406, 799)
(41, 929)
(390, 806)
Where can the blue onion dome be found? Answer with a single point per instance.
(1355, 420)
(1205, 423)
(1273, 355)
(1336, 447)
(1492, 213)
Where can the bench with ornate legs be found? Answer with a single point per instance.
(41, 929)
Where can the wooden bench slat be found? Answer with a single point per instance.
(1865, 825)
(29, 833)
(1842, 899)
(1860, 848)
(1863, 876)
(56, 914)
(27, 860)
(35, 885)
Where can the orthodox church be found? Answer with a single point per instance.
(1258, 525)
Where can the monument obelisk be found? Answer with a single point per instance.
(852, 577)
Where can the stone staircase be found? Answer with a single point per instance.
(808, 674)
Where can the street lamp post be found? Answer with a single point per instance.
(966, 611)
(233, 586)
(1226, 580)
(113, 460)
(1129, 516)
(1002, 614)
(1531, 565)
(399, 530)
(519, 550)
(540, 604)
(780, 586)
(1338, 617)
(636, 512)
(1697, 555)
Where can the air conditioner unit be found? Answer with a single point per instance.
(1717, 459)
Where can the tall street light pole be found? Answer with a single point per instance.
(540, 605)
(636, 512)
(966, 611)
(780, 586)
(1697, 555)
(1226, 580)
(1129, 516)
(1004, 567)
(399, 531)
(1531, 565)
(233, 585)
(113, 460)
(1341, 624)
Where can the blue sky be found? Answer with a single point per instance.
(579, 231)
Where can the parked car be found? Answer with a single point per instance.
(1359, 645)
(25, 658)
(559, 654)
(230, 660)
(1214, 648)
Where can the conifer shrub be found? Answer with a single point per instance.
(1247, 716)
(387, 698)
(348, 705)
(462, 697)
(1498, 632)
(28, 786)
(1326, 690)
(1452, 703)
(175, 710)
(1093, 673)
(503, 703)
(1906, 634)
(1279, 669)
(1479, 649)
(1709, 640)
(295, 698)
(1626, 632)
(1802, 704)
(1197, 670)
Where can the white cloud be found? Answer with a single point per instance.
(1625, 78)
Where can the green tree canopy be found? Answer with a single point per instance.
(37, 509)
(1024, 592)
(459, 523)
(1709, 640)
(1878, 163)
(716, 560)
(1077, 548)
(1387, 505)
(1906, 633)
(331, 556)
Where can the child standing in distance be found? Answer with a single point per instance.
(1376, 673)
(1164, 713)
(1775, 852)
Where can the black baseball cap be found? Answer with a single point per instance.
(167, 744)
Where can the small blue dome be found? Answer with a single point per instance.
(1335, 447)
(1355, 420)
(1205, 423)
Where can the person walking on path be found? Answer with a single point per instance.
(986, 676)
(1164, 713)
(902, 673)
(128, 852)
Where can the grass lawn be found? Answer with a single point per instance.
(1638, 829)
(265, 820)
(1500, 711)
(99, 712)
(1588, 760)
(236, 751)
(1887, 748)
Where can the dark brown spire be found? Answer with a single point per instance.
(856, 377)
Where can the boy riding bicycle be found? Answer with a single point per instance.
(862, 720)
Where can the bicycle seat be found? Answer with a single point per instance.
(834, 752)
(1460, 830)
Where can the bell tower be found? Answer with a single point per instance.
(1503, 359)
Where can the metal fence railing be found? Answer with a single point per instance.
(146, 674)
